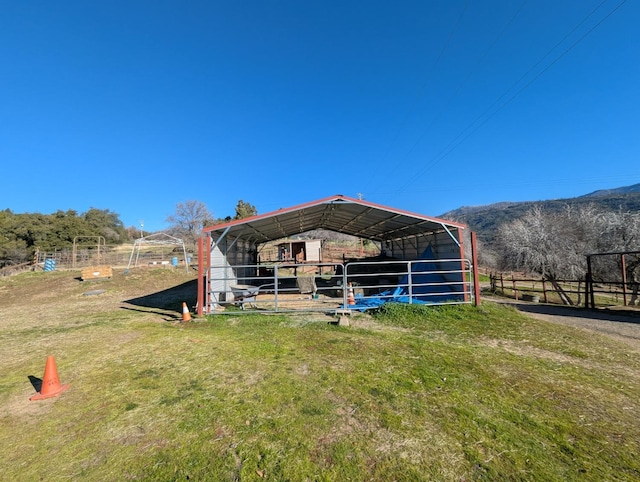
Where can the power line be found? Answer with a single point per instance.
(422, 89)
(563, 181)
(470, 129)
(461, 85)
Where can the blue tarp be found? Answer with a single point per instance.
(428, 286)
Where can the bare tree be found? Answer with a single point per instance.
(189, 219)
(554, 245)
(620, 231)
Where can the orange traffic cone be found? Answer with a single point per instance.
(186, 316)
(351, 300)
(50, 382)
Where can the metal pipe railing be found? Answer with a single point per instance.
(325, 286)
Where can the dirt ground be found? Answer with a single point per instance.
(51, 299)
(624, 327)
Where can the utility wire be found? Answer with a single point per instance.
(449, 101)
(470, 129)
(421, 91)
(461, 85)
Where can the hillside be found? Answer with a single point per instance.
(485, 220)
(615, 192)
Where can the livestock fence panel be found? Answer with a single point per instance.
(328, 287)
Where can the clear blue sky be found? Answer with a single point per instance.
(426, 106)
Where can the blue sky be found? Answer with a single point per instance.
(424, 105)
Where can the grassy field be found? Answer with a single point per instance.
(410, 393)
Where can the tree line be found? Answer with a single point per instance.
(21, 235)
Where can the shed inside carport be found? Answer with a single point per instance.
(229, 253)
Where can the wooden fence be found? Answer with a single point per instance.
(17, 268)
(113, 256)
(567, 292)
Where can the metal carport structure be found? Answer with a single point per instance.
(231, 248)
(154, 240)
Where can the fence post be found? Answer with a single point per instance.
(515, 288)
(591, 297)
(544, 290)
(623, 266)
(586, 290)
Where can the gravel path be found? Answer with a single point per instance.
(621, 326)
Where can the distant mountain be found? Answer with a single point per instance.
(485, 220)
(614, 192)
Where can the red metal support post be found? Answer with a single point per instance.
(200, 276)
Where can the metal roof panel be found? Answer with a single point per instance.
(336, 213)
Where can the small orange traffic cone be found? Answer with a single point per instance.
(50, 382)
(351, 300)
(186, 316)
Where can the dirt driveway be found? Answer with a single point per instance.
(621, 326)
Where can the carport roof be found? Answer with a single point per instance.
(337, 213)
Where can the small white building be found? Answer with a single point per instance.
(300, 250)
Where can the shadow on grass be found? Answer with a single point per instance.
(170, 299)
(166, 314)
(604, 315)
